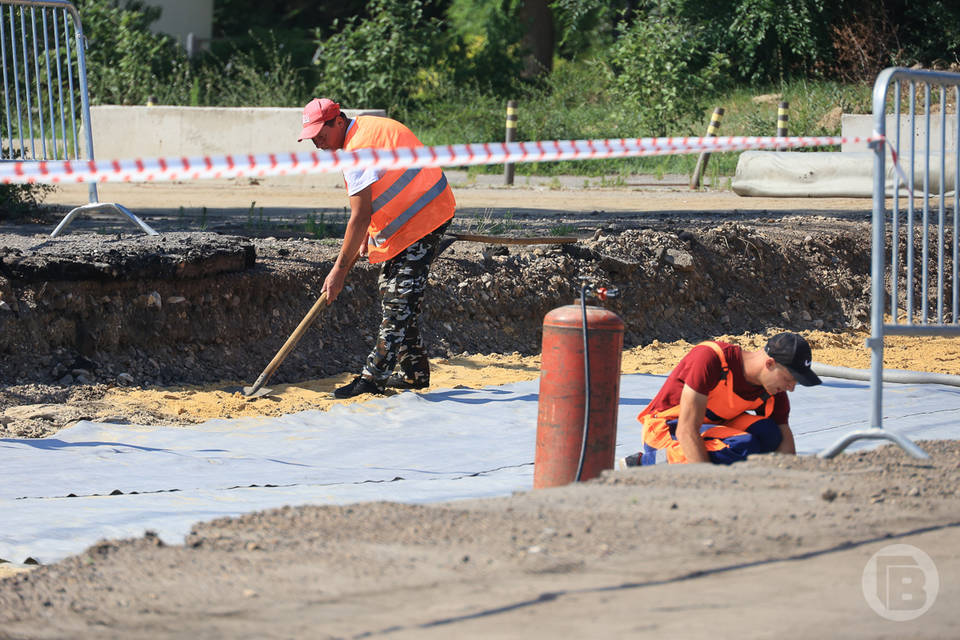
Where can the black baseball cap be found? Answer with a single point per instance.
(793, 352)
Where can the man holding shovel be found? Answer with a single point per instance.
(397, 218)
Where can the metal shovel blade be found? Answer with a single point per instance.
(254, 392)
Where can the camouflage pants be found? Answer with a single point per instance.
(402, 282)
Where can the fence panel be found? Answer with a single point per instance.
(45, 97)
(923, 289)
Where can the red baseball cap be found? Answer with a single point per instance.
(317, 111)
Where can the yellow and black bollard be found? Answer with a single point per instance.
(705, 155)
(783, 119)
(509, 137)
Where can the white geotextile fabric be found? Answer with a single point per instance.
(442, 445)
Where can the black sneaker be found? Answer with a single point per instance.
(398, 381)
(358, 386)
(633, 460)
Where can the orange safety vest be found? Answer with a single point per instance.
(408, 204)
(729, 409)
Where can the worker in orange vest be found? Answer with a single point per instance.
(721, 403)
(397, 218)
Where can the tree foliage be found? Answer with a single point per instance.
(775, 39)
(663, 57)
(124, 58)
(660, 67)
(587, 27)
(376, 61)
(929, 32)
(772, 40)
(485, 47)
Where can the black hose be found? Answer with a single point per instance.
(586, 381)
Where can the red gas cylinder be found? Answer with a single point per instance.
(561, 407)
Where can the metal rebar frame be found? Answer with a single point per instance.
(43, 77)
(936, 316)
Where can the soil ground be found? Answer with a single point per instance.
(107, 324)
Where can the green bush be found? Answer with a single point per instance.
(382, 61)
(777, 39)
(764, 40)
(21, 200)
(126, 63)
(660, 67)
(263, 76)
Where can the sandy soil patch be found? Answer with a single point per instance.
(196, 404)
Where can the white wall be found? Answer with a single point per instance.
(121, 132)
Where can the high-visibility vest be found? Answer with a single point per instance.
(408, 204)
(724, 408)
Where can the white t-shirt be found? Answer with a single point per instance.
(359, 179)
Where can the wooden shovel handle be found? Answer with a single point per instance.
(291, 342)
(294, 338)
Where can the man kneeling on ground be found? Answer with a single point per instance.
(701, 412)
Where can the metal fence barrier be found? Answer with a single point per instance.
(923, 289)
(45, 97)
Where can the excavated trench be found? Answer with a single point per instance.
(194, 307)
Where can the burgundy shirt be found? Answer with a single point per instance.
(702, 371)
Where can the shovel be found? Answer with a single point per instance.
(257, 390)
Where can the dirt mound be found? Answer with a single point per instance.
(195, 308)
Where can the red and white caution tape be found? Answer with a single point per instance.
(893, 156)
(281, 164)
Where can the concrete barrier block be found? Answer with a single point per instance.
(823, 174)
(146, 132)
(856, 125)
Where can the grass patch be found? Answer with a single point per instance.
(487, 224)
(317, 226)
(563, 229)
(255, 217)
(574, 104)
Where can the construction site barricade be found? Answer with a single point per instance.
(914, 269)
(45, 95)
